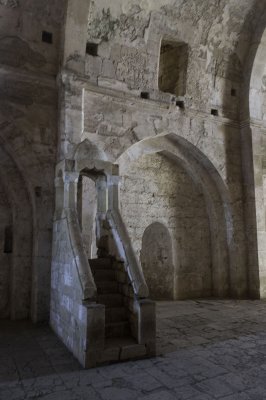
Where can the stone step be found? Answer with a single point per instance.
(107, 287)
(122, 348)
(117, 329)
(103, 275)
(115, 314)
(100, 263)
(111, 300)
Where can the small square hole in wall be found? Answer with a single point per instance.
(92, 49)
(214, 112)
(233, 92)
(180, 104)
(47, 37)
(38, 191)
(145, 95)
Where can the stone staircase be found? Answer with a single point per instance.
(116, 294)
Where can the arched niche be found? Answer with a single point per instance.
(228, 261)
(157, 261)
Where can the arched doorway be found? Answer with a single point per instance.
(91, 207)
(87, 211)
(157, 261)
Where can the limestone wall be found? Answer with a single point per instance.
(22, 44)
(156, 258)
(129, 35)
(28, 119)
(155, 189)
(103, 103)
(117, 103)
(67, 316)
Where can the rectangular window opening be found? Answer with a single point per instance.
(92, 49)
(47, 37)
(145, 95)
(214, 112)
(173, 67)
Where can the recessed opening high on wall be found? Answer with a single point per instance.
(47, 37)
(92, 49)
(173, 67)
(8, 240)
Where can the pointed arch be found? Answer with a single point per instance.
(229, 264)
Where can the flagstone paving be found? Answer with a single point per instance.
(207, 350)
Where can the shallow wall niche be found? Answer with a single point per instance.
(157, 261)
(173, 67)
(87, 210)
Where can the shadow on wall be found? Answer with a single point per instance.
(157, 262)
(16, 227)
(5, 253)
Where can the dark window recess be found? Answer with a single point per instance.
(180, 104)
(214, 112)
(92, 49)
(47, 37)
(145, 95)
(173, 67)
(38, 191)
(233, 92)
(8, 244)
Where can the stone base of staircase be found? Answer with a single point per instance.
(122, 349)
(115, 294)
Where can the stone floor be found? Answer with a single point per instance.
(209, 350)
